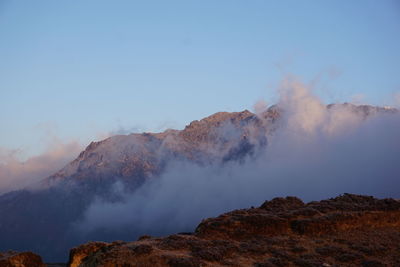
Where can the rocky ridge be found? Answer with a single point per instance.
(221, 137)
(349, 230)
(41, 219)
(137, 157)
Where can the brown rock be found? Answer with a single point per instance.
(78, 254)
(20, 259)
(280, 204)
(349, 230)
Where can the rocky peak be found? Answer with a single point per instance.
(142, 155)
(221, 137)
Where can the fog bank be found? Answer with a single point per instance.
(315, 153)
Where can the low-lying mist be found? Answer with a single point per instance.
(316, 152)
(16, 174)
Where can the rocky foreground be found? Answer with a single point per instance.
(20, 259)
(349, 230)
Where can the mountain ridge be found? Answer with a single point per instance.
(49, 212)
(199, 136)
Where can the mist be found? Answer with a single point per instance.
(16, 173)
(315, 153)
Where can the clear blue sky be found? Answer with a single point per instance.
(78, 68)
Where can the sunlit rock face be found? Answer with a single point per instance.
(43, 218)
(349, 230)
(20, 259)
(134, 158)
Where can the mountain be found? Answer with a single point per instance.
(43, 218)
(136, 157)
(349, 230)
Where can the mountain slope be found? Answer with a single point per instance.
(40, 219)
(43, 218)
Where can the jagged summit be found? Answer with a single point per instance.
(140, 156)
(220, 137)
(220, 117)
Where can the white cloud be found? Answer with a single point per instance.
(16, 173)
(316, 153)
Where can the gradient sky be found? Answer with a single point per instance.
(80, 69)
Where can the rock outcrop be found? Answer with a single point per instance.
(20, 259)
(349, 230)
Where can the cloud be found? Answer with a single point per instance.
(16, 173)
(396, 99)
(315, 153)
(260, 106)
(358, 99)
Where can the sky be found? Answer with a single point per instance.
(77, 71)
